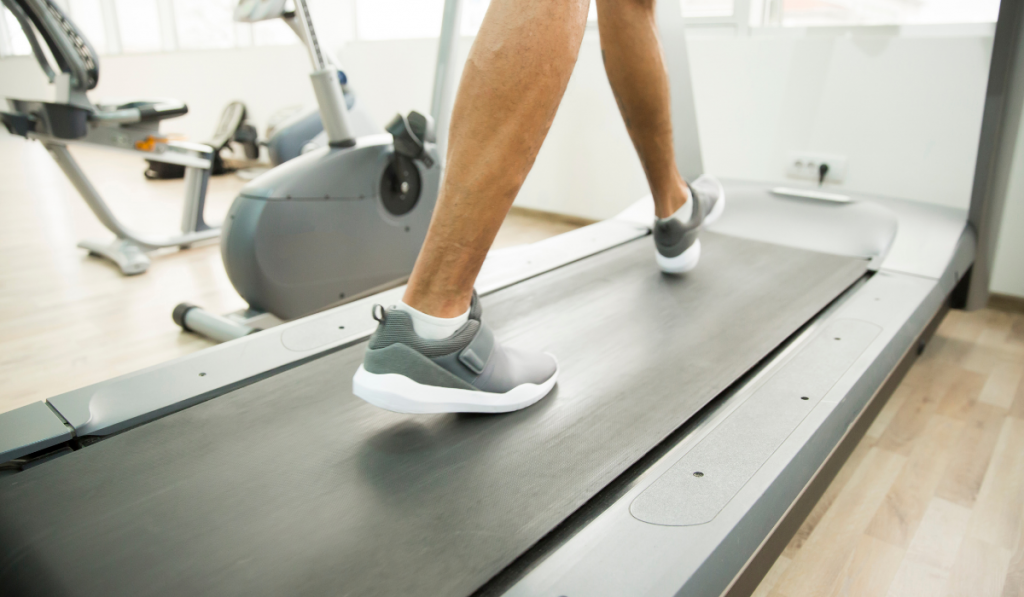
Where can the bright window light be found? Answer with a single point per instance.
(706, 8)
(473, 12)
(88, 17)
(19, 45)
(272, 33)
(138, 22)
(887, 12)
(398, 19)
(376, 19)
(202, 24)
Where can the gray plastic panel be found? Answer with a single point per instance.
(702, 482)
(862, 228)
(293, 486)
(28, 429)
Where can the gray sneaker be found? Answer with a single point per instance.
(677, 241)
(469, 371)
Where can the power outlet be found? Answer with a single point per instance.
(805, 166)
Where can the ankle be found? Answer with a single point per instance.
(667, 204)
(436, 303)
(431, 327)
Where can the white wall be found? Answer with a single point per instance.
(905, 110)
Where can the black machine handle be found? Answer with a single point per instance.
(411, 133)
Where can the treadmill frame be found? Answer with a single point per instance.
(606, 550)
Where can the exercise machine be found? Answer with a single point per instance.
(250, 468)
(303, 129)
(336, 223)
(131, 127)
(233, 129)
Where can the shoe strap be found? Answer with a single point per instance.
(476, 354)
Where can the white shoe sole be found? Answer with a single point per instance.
(400, 394)
(681, 263)
(687, 260)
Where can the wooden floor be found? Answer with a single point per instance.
(930, 503)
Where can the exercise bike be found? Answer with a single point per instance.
(337, 223)
(301, 130)
(131, 127)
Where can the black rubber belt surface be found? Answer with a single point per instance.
(292, 486)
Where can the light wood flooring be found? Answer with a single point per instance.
(930, 503)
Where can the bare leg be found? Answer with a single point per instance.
(636, 70)
(515, 77)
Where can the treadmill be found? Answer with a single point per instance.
(696, 421)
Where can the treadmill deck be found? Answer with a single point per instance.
(294, 486)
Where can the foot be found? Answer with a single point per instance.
(469, 371)
(676, 239)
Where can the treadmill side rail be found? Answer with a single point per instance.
(30, 428)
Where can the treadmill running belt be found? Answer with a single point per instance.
(293, 486)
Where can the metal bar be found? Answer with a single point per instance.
(445, 74)
(329, 96)
(671, 29)
(177, 152)
(1000, 127)
(95, 201)
(196, 180)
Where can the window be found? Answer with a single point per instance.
(706, 8)
(376, 19)
(130, 26)
(16, 42)
(271, 33)
(88, 17)
(204, 23)
(138, 24)
(399, 19)
(886, 12)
